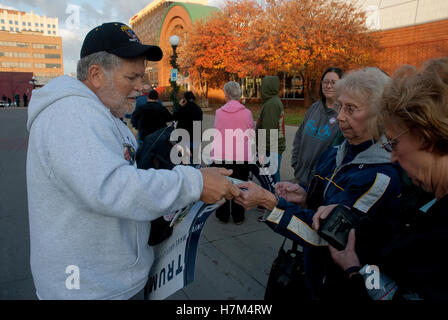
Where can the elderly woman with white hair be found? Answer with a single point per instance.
(414, 115)
(232, 145)
(357, 174)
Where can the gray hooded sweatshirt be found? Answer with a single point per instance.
(89, 208)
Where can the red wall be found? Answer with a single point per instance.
(412, 45)
(15, 82)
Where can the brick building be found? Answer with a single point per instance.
(408, 31)
(412, 45)
(30, 43)
(161, 19)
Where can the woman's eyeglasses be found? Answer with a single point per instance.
(327, 82)
(391, 144)
(348, 109)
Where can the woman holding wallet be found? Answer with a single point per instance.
(414, 111)
(357, 174)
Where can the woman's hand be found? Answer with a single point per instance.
(291, 192)
(253, 195)
(346, 258)
(321, 214)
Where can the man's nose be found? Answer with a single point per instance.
(139, 85)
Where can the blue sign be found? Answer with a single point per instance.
(173, 75)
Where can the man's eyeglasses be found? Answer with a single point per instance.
(391, 144)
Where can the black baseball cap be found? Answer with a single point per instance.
(120, 40)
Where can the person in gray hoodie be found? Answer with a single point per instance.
(89, 206)
(318, 130)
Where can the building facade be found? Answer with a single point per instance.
(30, 43)
(407, 31)
(157, 22)
(16, 21)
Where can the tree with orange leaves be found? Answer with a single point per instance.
(292, 36)
(308, 36)
(222, 47)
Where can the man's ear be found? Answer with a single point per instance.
(97, 77)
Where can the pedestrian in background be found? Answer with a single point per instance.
(150, 117)
(272, 118)
(185, 114)
(233, 151)
(318, 129)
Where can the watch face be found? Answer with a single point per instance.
(129, 153)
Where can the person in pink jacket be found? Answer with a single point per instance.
(233, 145)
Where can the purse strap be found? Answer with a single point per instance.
(294, 247)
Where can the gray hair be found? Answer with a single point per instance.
(366, 85)
(107, 61)
(232, 90)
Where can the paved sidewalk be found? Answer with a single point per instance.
(233, 261)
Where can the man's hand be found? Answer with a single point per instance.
(216, 186)
(253, 195)
(291, 192)
(321, 214)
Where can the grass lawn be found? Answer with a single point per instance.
(293, 115)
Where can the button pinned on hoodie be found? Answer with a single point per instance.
(332, 120)
(361, 166)
(129, 153)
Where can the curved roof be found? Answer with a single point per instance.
(195, 11)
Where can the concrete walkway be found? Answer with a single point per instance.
(233, 261)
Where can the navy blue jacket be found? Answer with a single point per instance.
(361, 177)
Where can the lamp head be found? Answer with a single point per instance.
(174, 40)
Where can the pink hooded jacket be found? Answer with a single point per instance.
(233, 115)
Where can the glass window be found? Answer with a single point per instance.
(52, 56)
(3, 28)
(52, 65)
(11, 29)
(23, 23)
(54, 26)
(16, 23)
(292, 86)
(10, 21)
(3, 20)
(29, 24)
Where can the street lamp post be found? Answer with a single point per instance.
(33, 82)
(174, 41)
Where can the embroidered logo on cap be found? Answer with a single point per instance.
(132, 36)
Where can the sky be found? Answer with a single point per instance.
(77, 17)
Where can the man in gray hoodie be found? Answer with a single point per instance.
(89, 206)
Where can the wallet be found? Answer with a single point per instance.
(336, 227)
